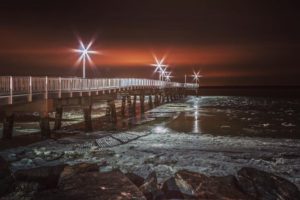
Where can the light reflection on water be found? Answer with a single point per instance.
(239, 116)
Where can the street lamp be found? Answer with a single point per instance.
(159, 67)
(196, 76)
(84, 51)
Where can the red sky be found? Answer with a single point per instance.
(230, 43)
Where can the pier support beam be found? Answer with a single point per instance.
(150, 103)
(45, 125)
(113, 112)
(134, 104)
(156, 100)
(142, 102)
(58, 118)
(162, 99)
(123, 106)
(8, 126)
(87, 113)
(129, 105)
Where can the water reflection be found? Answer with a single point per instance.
(238, 116)
(196, 126)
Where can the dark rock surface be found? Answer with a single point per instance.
(94, 185)
(150, 187)
(204, 187)
(46, 176)
(136, 179)
(6, 180)
(171, 190)
(73, 170)
(266, 186)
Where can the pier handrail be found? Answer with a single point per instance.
(28, 85)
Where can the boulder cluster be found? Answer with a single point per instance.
(85, 181)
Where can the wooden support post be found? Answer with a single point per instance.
(134, 104)
(8, 126)
(123, 106)
(150, 102)
(46, 87)
(129, 104)
(156, 100)
(45, 125)
(59, 87)
(58, 118)
(30, 89)
(162, 98)
(10, 98)
(87, 112)
(142, 102)
(113, 113)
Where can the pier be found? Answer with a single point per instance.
(52, 94)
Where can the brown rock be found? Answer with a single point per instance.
(46, 176)
(94, 185)
(205, 187)
(171, 190)
(136, 179)
(4, 168)
(71, 170)
(6, 180)
(262, 185)
(150, 188)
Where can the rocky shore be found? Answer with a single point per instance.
(87, 181)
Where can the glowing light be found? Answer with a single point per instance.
(160, 67)
(168, 76)
(84, 51)
(196, 76)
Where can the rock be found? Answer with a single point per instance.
(49, 195)
(95, 185)
(205, 187)
(288, 124)
(4, 168)
(106, 168)
(171, 190)
(71, 154)
(23, 190)
(150, 187)
(262, 185)
(26, 162)
(12, 157)
(6, 180)
(46, 176)
(136, 179)
(72, 170)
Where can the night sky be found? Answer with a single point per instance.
(232, 42)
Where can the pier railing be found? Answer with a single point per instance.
(11, 86)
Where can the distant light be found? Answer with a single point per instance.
(84, 50)
(196, 76)
(160, 67)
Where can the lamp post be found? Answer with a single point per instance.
(84, 51)
(196, 76)
(159, 67)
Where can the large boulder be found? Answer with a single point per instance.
(171, 189)
(46, 176)
(136, 179)
(262, 185)
(6, 180)
(95, 185)
(73, 170)
(210, 187)
(150, 188)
